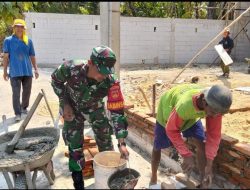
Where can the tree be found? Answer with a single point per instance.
(8, 12)
(12, 10)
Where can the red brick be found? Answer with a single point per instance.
(87, 139)
(127, 107)
(150, 132)
(136, 131)
(239, 163)
(88, 174)
(88, 163)
(130, 122)
(232, 169)
(140, 115)
(233, 181)
(223, 168)
(243, 187)
(87, 155)
(234, 154)
(151, 121)
(221, 158)
(226, 175)
(227, 140)
(141, 123)
(93, 151)
(243, 148)
(130, 111)
(92, 142)
(247, 173)
(243, 181)
(228, 157)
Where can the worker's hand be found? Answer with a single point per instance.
(188, 164)
(207, 180)
(36, 74)
(124, 152)
(68, 114)
(5, 76)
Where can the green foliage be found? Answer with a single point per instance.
(12, 10)
(185, 9)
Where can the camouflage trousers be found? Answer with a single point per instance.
(73, 134)
(225, 68)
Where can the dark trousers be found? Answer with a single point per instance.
(16, 82)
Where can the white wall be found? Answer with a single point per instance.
(58, 36)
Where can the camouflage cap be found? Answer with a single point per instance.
(104, 58)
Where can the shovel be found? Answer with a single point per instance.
(11, 146)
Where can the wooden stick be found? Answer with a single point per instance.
(229, 10)
(46, 100)
(206, 46)
(144, 96)
(153, 100)
(10, 146)
(233, 39)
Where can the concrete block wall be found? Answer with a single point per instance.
(170, 41)
(232, 161)
(58, 36)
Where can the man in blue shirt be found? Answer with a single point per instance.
(19, 55)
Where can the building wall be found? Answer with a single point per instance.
(242, 42)
(148, 40)
(58, 36)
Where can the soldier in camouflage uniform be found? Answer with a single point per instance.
(81, 86)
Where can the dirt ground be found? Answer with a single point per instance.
(41, 118)
(236, 125)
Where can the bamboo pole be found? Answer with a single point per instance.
(145, 98)
(206, 46)
(233, 39)
(47, 103)
(153, 100)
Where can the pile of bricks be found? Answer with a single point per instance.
(90, 150)
(232, 161)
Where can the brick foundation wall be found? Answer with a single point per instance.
(232, 161)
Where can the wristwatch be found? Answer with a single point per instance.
(121, 144)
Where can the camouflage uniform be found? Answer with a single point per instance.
(85, 96)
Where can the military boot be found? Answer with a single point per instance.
(78, 180)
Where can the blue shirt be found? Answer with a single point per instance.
(19, 56)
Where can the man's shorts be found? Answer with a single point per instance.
(162, 141)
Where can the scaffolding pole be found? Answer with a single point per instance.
(206, 46)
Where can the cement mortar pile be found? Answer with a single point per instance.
(28, 148)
